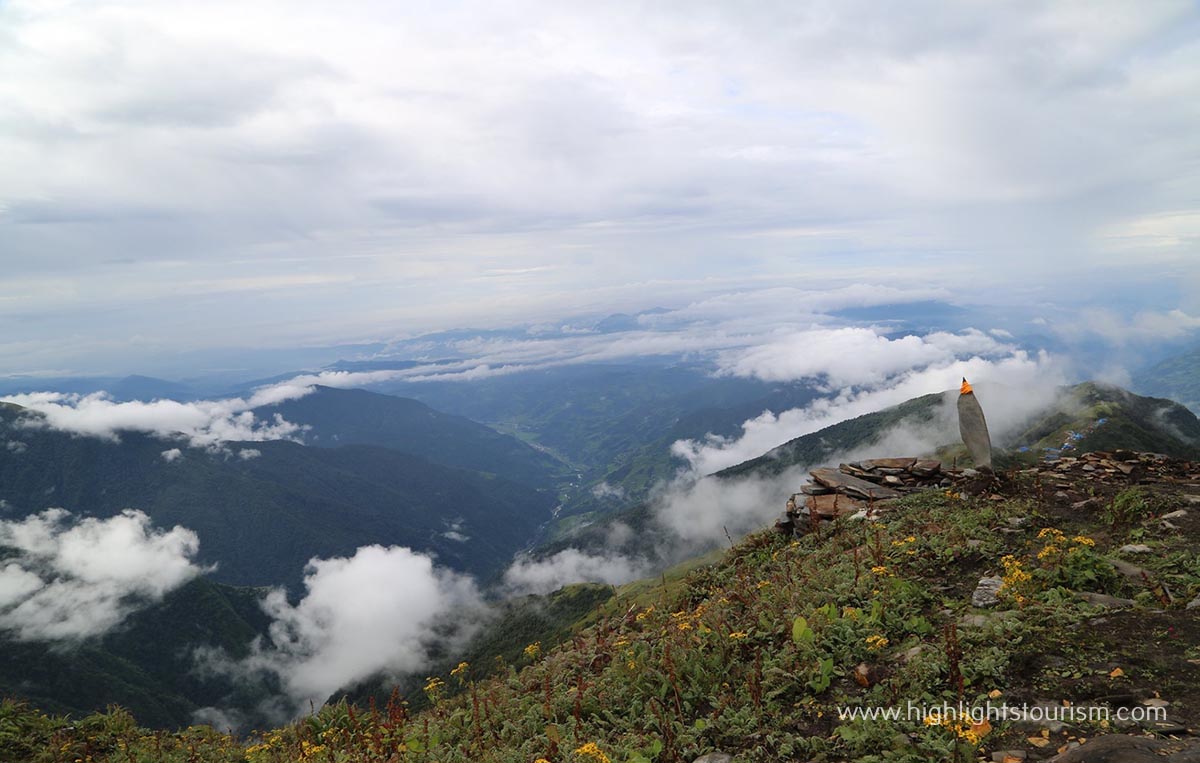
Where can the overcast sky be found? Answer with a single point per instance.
(263, 174)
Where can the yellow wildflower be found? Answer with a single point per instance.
(875, 642)
(461, 670)
(534, 650)
(737, 635)
(592, 751)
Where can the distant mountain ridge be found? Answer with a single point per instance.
(359, 417)
(1177, 377)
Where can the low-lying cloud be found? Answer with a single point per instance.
(203, 423)
(865, 384)
(383, 610)
(70, 579)
(541, 576)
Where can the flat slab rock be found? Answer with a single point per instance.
(833, 505)
(835, 480)
(1122, 748)
(887, 463)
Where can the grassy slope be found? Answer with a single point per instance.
(720, 660)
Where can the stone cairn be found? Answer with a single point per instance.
(858, 488)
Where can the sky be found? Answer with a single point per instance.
(184, 178)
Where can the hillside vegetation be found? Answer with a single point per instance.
(358, 417)
(261, 519)
(754, 654)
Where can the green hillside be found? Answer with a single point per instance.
(358, 417)
(145, 665)
(1177, 378)
(261, 519)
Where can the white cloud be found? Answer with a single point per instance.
(864, 372)
(1144, 326)
(205, 423)
(383, 610)
(71, 579)
(245, 454)
(605, 490)
(861, 357)
(171, 454)
(571, 565)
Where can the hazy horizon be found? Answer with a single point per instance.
(181, 187)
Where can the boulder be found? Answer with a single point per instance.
(987, 592)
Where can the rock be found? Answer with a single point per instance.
(1193, 604)
(926, 468)
(912, 653)
(714, 757)
(1062, 495)
(1131, 571)
(813, 489)
(888, 463)
(835, 480)
(1134, 548)
(1104, 600)
(833, 505)
(987, 592)
(891, 481)
(1009, 756)
(1086, 503)
(1177, 514)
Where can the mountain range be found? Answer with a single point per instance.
(386, 470)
